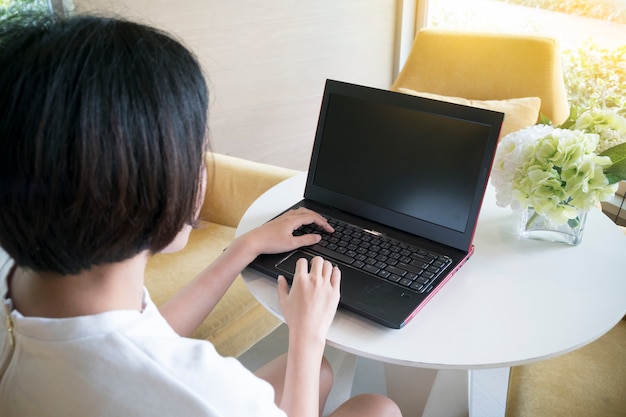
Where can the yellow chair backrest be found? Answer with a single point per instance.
(487, 66)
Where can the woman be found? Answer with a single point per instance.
(102, 136)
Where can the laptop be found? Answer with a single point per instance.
(403, 176)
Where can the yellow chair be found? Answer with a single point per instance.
(488, 67)
(587, 382)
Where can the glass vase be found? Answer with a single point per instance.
(535, 226)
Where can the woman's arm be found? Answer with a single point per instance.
(188, 308)
(308, 307)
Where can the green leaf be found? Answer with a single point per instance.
(616, 153)
(617, 171)
(544, 120)
(570, 122)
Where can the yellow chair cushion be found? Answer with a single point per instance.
(234, 184)
(519, 112)
(590, 381)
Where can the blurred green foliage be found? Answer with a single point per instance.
(596, 77)
(10, 8)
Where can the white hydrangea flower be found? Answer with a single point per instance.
(610, 126)
(555, 171)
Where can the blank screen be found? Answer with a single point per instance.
(412, 162)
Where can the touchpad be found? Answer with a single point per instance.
(288, 265)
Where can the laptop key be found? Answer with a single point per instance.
(371, 268)
(394, 278)
(396, 270)
(428, 275)
(419, 263)
(441, 262)
(409, 268)
(384, 273)
(406, 282)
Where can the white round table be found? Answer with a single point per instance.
(515, 301)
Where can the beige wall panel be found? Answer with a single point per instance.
(290, 80)
(267, 62)
(277, 40)
(293, 152)
(257, 127)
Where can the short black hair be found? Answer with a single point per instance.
(103, 126)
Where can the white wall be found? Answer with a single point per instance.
(267, 62)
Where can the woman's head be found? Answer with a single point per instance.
(102, 139)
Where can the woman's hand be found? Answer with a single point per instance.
(309, 306)
(276, 236)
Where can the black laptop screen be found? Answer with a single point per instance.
(416, 163)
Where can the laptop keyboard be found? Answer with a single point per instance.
(409, 266)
